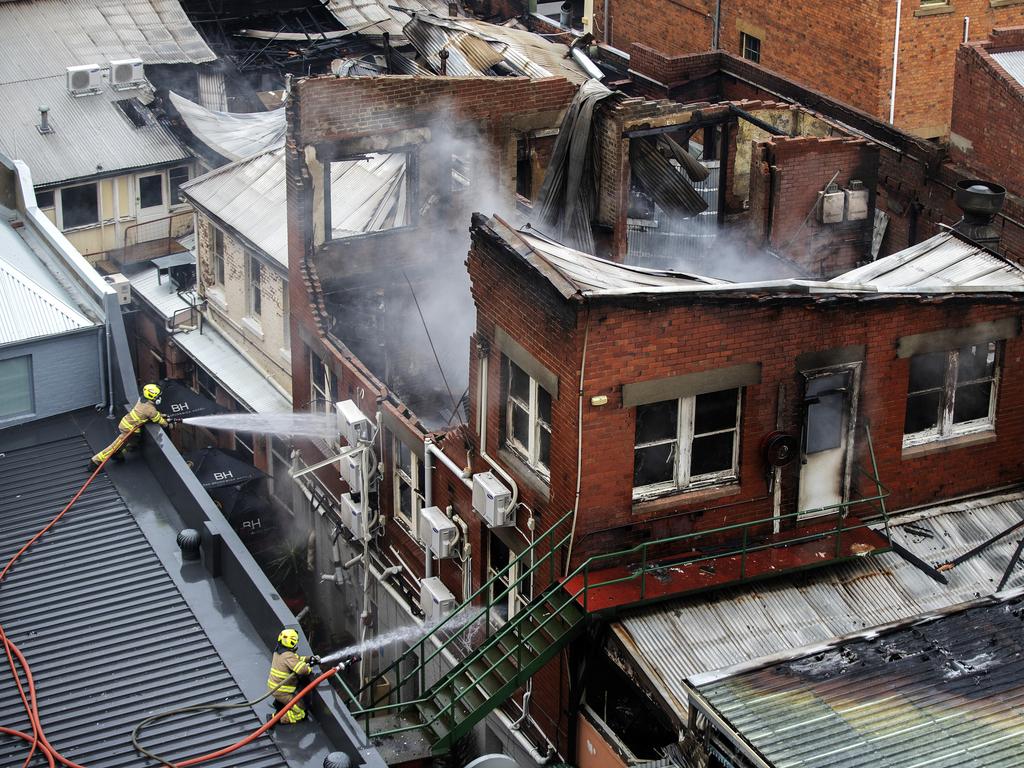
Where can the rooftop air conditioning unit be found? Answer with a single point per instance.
(436, 600)
(354, 425)
(127, 73)
(84, 79)
(352, 515)
(120, 283)
(352, 473)
(438, 532)
(491, 500)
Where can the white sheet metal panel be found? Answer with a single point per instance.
(42, 38)
(529, 52)
(29, 311)
(247, 384)
(91, 134)
(159, 294)
(1012, 62)
(685, 637)
(233, 135)
(358, 14)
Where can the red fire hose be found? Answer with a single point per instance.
(15, 658)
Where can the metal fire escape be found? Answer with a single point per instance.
(448, 708)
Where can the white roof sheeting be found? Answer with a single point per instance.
(250, 197)
(1012, 62)
(28, 311)
(246, 383)
(942, 262)
(91, 134)
(159, 292)
(685, 637)
(232, 135)
(361, 14)
(42, 38)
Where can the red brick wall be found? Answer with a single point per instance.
(684, 26)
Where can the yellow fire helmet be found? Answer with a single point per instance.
(151, 391)
(288, 638)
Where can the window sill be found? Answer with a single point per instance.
(524, 473)
(285, 355)
(948, 444)
(1004, 3)
(216, 298)
(674, 499)
(933, 10)
(253, 327)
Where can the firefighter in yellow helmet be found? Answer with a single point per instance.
(288, 673)
(143, 411)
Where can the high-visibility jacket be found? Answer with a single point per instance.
(285, 668)
(140, 413)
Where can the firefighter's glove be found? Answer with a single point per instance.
(314, 660)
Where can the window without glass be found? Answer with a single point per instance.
(15, 386)
(177, 177)
(151, 191)
(285, 319)
(254, 295)
(686, 443)
(951, 393)
(528, 418)
(217, 245)
(368, 194)
(750, 47)
(79, 206)
(408, 479)
(321, 386)
(44, 199)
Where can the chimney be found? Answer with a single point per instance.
(980, 201)
(44, 126)
(444, 61)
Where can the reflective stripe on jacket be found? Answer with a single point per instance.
(140, 413)
(285, 668)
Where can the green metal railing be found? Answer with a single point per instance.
(523, 626)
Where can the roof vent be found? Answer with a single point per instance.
(127, 73)
(84, 79)
(980, 201)
(44, 126)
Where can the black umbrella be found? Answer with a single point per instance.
(217, 469)
(249, 515)
(179, 401)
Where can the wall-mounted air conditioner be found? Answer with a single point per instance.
(831, 203)
(352, 473)
(84, 79)
(490, 500)
(352, 516)
(354, 425)
(120, 283)
(126, 73)
(856, 201)
(436, 600)
(438, 531)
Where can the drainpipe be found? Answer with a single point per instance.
(607, 25)
(428, 496)
(579, 445)
(967, 27)
(895, 63)
(716, 33)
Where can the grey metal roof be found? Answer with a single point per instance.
(29, 311)
(41, 38)
(246, 383)
(361, 14)
(93, 595)
(530, 53)
(1012, 62)
(232, 135)
(944, 693)
(159, 292)
(682, 638)
(942, 262)
(91, 134)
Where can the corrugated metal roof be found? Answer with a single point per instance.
(358, 14)
(686, 637)
(91, 134)
(530, 53)
(29, 311)
(1012, 62)
(232, 135)
(944, 693)
(41, 38)
(250, 197)
(159, 292)
(246, 383)
(942, 262)
(95, 571)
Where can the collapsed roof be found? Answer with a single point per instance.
(232, 135)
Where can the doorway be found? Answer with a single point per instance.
(826, 448)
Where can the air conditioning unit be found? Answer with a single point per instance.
(831, 203)
(491, 500)
(856, 201)
(354, 425)
(126, 73)
(352, 515)
(120, 284)
(84, 79)
(352, 473)
(436, 600)
(438, 531)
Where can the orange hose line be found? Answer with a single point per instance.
(26, 737)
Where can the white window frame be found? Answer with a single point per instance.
(171, 202)
(400, 477)
(530, 454)
(58, 202)
(252, 311)
(946, 429)
(744, 47)
(321, 394)
(683, 481)
(217, 254)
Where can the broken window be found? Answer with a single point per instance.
(44, 199)
(368, 194)
(408, 479)
(951, 393)
(686, 443)
(528, 418)
(750, 47)
(321, 386)
(254, 286)
(524, 167)
(177, 177)
(79, 206)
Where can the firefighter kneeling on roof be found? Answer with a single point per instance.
(288, 673)
(142, 412)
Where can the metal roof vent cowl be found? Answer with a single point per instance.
(188, 542)
(980, 201)
(337, 760)
(44, 126)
